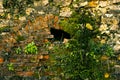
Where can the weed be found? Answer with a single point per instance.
(31, 48)
(10, 67)
(18, 50)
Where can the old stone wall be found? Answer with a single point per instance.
(109, 10)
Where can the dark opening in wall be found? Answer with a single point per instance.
(59, 34)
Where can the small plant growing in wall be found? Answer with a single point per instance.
(31, 48)
(10, 67)
(18, 50)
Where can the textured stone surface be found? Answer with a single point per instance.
(110, 25)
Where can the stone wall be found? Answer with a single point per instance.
(110, 26)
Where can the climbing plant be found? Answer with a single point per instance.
(80, 58)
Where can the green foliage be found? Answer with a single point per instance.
(18, 50)
(79, 59)
(78, 21)
(31, 48)
(10, 67)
